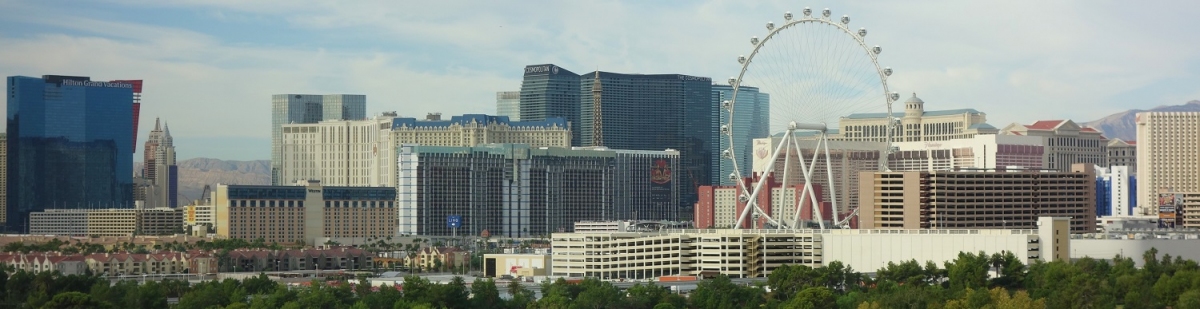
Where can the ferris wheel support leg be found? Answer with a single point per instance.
(807, 192)
(812, 194)
(787, 165)
(753, 195)
(803, 192)
(829, 173)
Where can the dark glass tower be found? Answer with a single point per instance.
(751, 120)
(549, 91)
(68, 145)
(656, 112)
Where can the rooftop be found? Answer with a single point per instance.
(476, 119)
(925, 114)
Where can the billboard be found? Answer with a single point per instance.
(1169, 203)
(661, 176)
(453, 221)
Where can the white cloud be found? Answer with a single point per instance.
(1017, 61)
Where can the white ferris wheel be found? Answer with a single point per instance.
(816, 70)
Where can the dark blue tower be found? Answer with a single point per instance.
(68, 145)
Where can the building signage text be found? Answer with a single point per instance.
(552, 69)
(69, 82)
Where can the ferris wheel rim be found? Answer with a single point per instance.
(727, 128)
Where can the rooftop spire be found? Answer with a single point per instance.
(156, 128)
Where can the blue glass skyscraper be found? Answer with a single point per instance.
(655, 112)
(549, 91)
(751, 120)
(68, 145)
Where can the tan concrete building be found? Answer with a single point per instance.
(977, 200)
(1066, 143)
(294, 214)
(106, 222)
(363, 152)
(1122, 153)
(1168, 156)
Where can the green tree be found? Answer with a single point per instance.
(486, 295)
(521, 297)
(598, 294)
(721, 293)
(813, 298)
(73, 300)
(968, 271)
(1189, 299)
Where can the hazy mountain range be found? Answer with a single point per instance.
(1121, 125)
(195, 173)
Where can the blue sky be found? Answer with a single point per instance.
(211, 66)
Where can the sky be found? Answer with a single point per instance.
(211, 66)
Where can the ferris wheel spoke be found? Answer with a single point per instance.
(814, 70)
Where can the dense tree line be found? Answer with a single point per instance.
(962, 283)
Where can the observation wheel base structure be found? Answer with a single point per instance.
(817, 94)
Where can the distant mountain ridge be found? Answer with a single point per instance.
(197, 172)
(1123, 126)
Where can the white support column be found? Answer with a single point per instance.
(829, 172)
(753, 195)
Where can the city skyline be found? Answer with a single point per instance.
(212, 63)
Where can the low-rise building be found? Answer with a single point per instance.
(45, 261)
(106, 222)
(349, 258)
(496, 265)
(113, 264)
(741, 253)
(302, 214)
(436, 259)
(200, 215)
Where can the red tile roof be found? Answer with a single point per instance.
(1045, 124)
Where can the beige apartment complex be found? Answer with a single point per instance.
(363, 152)
(747, 253)
(304, 213)
(1168, 156)
(977, 200)
(1066, 143)
(106, 222)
